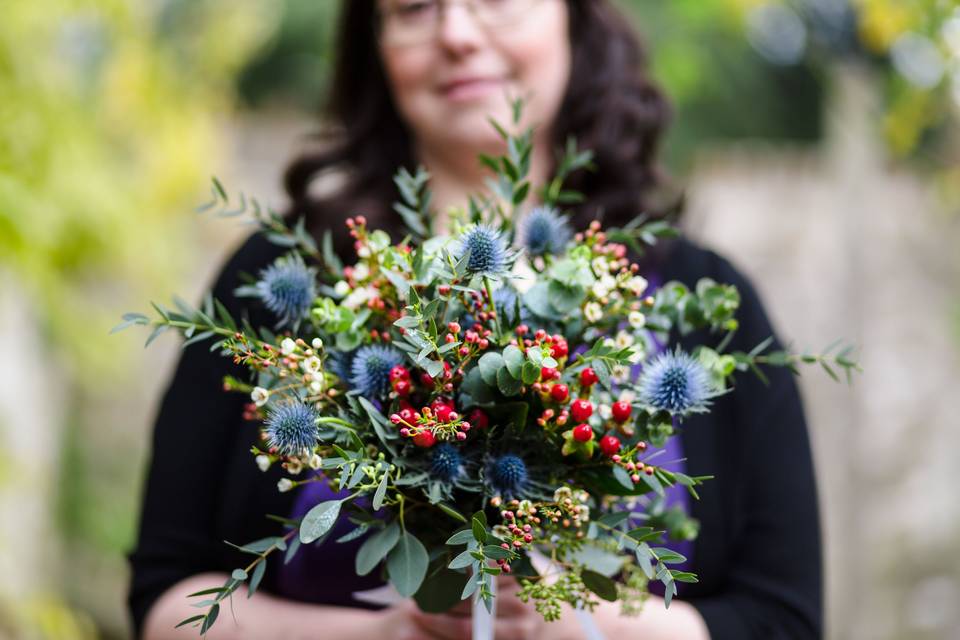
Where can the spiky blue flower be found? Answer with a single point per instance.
(675, 382)
(370, 369)
(486, 251)
(291, 427)
(543, 230)
(507, 475)
(288, 288)
(447, 462)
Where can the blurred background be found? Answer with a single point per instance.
(818, 142)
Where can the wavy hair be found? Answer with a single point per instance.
(611, 107)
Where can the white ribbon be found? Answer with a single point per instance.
(483, 620)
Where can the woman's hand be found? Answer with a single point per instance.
(515, 620)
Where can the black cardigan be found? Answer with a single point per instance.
(758, 555)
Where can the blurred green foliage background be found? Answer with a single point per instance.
(115, 112)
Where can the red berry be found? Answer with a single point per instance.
(609, 445)
(583, 433)
(426, 379)
(407, 415)
(559, 392)
(558, 349)
(444, 413)
(402, 387)
(424, 439)
(479, 419)
(548, 373)
(621, 411)
(588, 377)
(581, 410)
(453, 327)
(399, 373)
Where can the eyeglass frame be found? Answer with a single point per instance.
(469, 5)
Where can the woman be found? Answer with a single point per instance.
(415, 82)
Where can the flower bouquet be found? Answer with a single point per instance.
(498, 396)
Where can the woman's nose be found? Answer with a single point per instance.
(459, 30)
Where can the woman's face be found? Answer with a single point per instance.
(446, 85)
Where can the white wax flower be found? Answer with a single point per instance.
(636, 319)
(259, 396)
(312, 365)
(342, 288)
(593, 312)
(263, 462)
(288, 346)
(636, 285)
(317, 344)
(285, 485)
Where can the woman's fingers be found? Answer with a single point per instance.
(444, 626)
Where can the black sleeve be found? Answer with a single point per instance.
(773, 588)
(192, 435)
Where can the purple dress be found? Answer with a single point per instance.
(325, 573)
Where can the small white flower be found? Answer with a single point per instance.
(600, 266)
(603, 286)
(315, 461)
(361, 271)
(259, 396)
(317, 344)
(285, 485)
(316, 386)
(593, 312)
(620, 373)
(636, 285)
(342, 288)
(605, 411)
(294, 467)
(263, 462)
(624, 339)
(637, 355)
(363, 252)
(288, 346)
(311, 364)
(636, 319)
(608, 342)
(628, 396)
(357, 298)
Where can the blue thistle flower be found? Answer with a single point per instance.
(543, 230)
(370, 369)
(487, 253)
(675, 382)
(288, 288)
(291, 427)
(447, 462)
(507, 475)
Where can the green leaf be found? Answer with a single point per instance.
(210, 618)
(440, 591)
(508, 385)
(645, 534)
(461, 537)
(189, 620)
(381, 492)
(529, 373)
(453, 513)
(513, 359)
(479, 530)
(623, 477)
(376, 548)
(319, 520)
(258, 572)
(613, 519)
(495, 552)
(599, 584)
(489, 365)
(463, 559)
(407, 564)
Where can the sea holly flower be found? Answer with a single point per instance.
(507, 475)
(486, 251)
(370, 369)
(675, 382)
(291, 427)
(447, 463)
(543, 231)
(287, 288)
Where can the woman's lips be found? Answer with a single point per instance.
(470, 89)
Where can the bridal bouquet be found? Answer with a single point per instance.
(496, 396)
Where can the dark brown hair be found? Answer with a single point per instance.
(611, 107)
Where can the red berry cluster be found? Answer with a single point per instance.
(438, 421)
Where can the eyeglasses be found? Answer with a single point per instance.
(410, 22)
